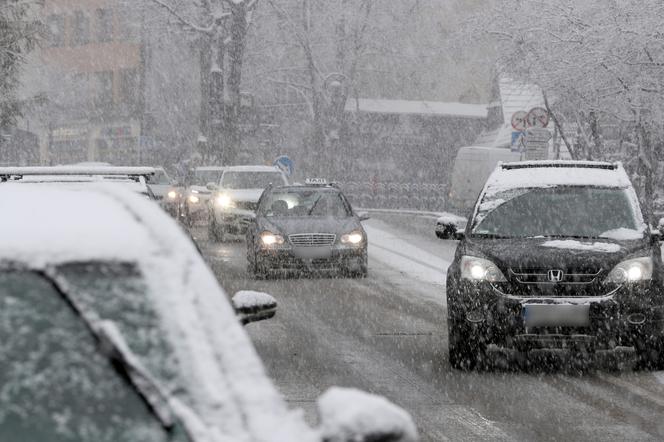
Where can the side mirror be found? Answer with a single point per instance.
(254, 306)
(211, 187)
(660, 225)
(363, 216)
(450, 227)
(349, 415)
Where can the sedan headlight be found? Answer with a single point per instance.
(479, 269)
(225, 201)
(632, 270)
(271, 239)
(172, 194)
(354, 238)
(194, 199)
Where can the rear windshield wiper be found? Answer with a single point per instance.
(113, 346)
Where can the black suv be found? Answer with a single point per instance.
(556, 256)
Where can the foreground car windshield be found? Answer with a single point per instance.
(59, 387)
(250, 180)
(558, 212)
(305, 203)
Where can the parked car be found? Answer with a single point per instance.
(306, 227)
(114, 329)
(134, 179)
(556, 257)
(194, 201)
(236, 195)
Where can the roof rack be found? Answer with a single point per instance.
(561, 164)
(17, 173)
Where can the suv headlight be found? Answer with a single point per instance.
(225, 201)
(271, 239)
(478, 269)
(354, 238)
(631, 270)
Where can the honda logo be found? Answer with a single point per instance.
(555, 275)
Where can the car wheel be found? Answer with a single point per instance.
(255, 270)
(467, 350)
(217, 233)
(650, 353)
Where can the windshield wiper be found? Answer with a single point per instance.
(313, 206)
(113, 346)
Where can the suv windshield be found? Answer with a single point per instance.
(587, 212)
(305, 202)
(251, 180)
(203, 177)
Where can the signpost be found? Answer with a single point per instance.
(538, 117)
(519, 121)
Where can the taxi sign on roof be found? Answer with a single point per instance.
(315, 181)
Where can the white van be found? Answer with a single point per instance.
(472, 167)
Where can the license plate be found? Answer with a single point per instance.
(308, 253)
(556, 315)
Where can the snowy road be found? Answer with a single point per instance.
(387, 334)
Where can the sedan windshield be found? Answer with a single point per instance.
(250, 180)
(304, 203)
(203, 177)
(576, 212)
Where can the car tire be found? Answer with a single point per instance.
(253, 268)
(650, 353)
(467, 350)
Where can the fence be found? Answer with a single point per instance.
(381, 195)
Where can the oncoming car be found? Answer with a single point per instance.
(556, 256)
(234, 203)
(114, 329)
(194, 200)
(310, 227)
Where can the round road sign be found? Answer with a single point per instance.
(538, 117)
(519, 120)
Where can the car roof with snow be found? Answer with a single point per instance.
(46, 226)
(534, 174)
(252, 169)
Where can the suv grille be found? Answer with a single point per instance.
(312, 239)
(543, 276)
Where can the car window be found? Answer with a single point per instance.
(558, 211)
(305, 203)
(160, 177)
(58, 386)
(251, 180)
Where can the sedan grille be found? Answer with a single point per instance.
(312, 239)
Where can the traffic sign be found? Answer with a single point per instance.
(537, 143)
(285, 164)
(519, 120)
(517, 141)
(538, 117)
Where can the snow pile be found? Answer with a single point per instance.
(583, 246)
(353, 415)
(248, 299)
(450, 218)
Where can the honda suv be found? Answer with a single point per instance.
(556, 256)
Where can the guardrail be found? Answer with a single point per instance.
(418, 213)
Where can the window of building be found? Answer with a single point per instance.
(81, 28)
(103, 90)
(104, 25)
(56, 30)
(129, 88)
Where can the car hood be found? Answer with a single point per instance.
(248, 195)
(200, 189)
(290, 225)
(556, 253)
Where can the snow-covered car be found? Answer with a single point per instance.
(114, 329)
(556, 256)
(134, 179)
(306, 227)
(236, 197)
(195, 198)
